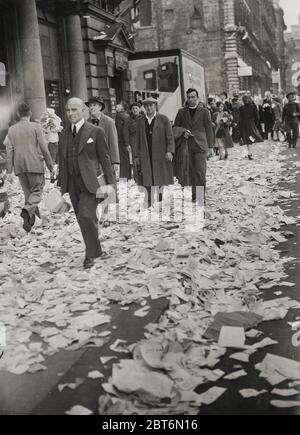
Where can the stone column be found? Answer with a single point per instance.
(76, 57)
(31, 55)
(231, 47)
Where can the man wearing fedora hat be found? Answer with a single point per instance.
(290, 118)
(154, 149)
(96, 107)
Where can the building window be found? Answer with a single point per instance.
(2, 74)
(146, 13)
(169, 15)
(107, 5)
(197, 17)
(169, 19)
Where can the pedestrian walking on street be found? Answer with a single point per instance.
(290, 119)
(225, 100)
(122, 120)
(82, 149)
(4, 202)
(236, 104)
(278, 110)
(52, 126)
(193, 123)
(248, 120)
(135, 114)
(269, 116)
(155, 148)
(257, 100)
(222, 121)
(96, 107)
(211, 106)
(25, 144)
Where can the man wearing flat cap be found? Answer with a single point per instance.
(96, 107)
(290, 118)
(154, 150)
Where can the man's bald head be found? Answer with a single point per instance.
(74, 101)
(75, 109)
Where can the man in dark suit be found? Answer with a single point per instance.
(82, 150)
(196, 125)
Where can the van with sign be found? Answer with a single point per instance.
(166, 76)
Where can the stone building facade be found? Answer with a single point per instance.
(293, 58)
(51, 50)
(280, 46)
(234, 38)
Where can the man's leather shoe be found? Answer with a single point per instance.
(88, 263)
(27, 220)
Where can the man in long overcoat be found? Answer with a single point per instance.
(122, 120)
(195, 126)
(82, 149)
(154, 149)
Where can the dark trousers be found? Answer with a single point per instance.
(198, 168)
(292, 130)
(33, 186)
(53, 150)
(151, 191)
(85, 206)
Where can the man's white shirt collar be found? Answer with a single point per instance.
(151, 119)
(78, 125)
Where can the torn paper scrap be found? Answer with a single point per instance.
(130, 376)
(236, 375)
(71, 386)
(275, 367)
(253, 333)
(240, 356)
(119, 346)
(248, 393)
(232, 337)
(240, 319)
(285, 393)
(79, 410)
(211, 396)
(95, 375)
(284, 404)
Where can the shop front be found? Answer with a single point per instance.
(113, 48)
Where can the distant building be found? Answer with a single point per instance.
(279, 77)
(235, 38)
(293, 58)
(53, 49)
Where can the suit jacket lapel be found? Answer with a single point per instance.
(84, 136)
(143, 121)
(156, 122)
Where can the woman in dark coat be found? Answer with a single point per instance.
(221, 122)
(122, 120)
(248, 120)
